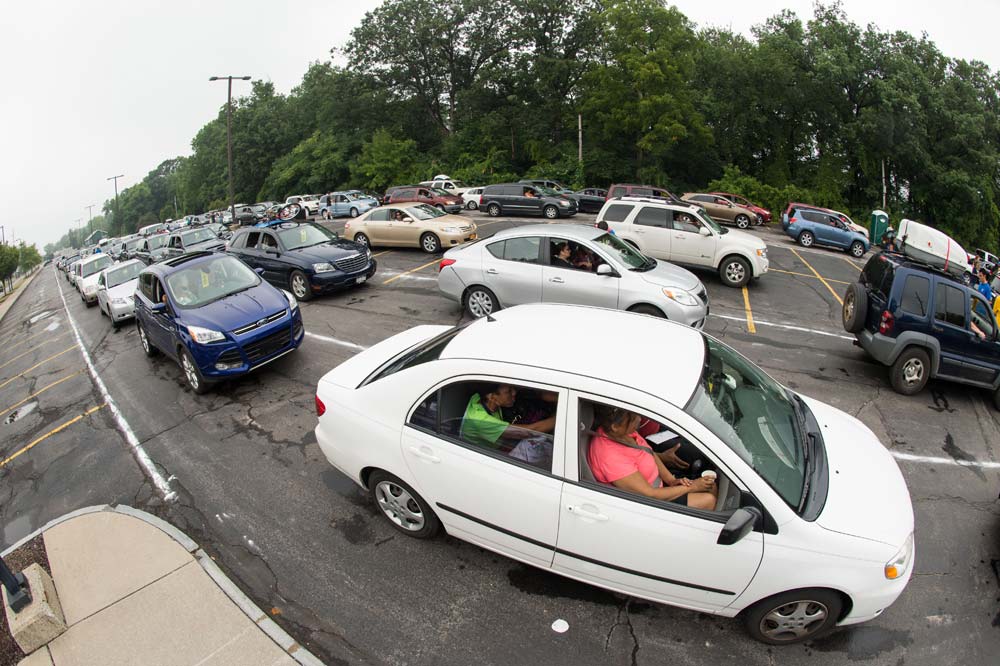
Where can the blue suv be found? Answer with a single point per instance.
(923, 324)
(215, 316)
(810, 226)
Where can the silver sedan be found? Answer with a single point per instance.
(569, 263)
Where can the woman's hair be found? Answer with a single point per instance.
(606, 416)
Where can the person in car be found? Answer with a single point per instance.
(619, 456)
(486, 424)
(583, 260)
(530, 193)
(560, 258)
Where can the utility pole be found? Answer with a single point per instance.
(79, 231)
(229, 137)
(118, 210)
(579, 137)
(883, 185)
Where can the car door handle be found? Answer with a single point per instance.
(492, 271)
(557, 280)
(424, 455)
(587, 513)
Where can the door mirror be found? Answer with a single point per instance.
(258, 271)
(605, 269)
(408, 219)
(158, 308)
(703, 231)
(740, 524)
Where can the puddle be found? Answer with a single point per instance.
(20, 412)
(41, 315)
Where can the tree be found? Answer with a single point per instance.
(386, 160)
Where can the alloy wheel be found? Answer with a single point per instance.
(143, 339)
(299, 287)
(735, 272)
(480, 304)
(793, 621)
(190, 372)
(399, 506)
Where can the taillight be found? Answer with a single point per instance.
(445, 263)
(886, 323)
(791, 220)
(480, 199)
(320, 407)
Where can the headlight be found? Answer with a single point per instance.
(204, 335)
(368, 252)
(762, 252)
(292, 303)
(897, 566)
(681, 296)
(449, 230)
(324, 267)
(564, 203)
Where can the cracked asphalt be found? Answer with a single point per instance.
(308, 546)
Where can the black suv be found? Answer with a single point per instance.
(524, 199)
(923, 324)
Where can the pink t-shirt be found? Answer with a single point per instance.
(611, 461)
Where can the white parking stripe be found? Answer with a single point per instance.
(335, 341)
(944, 461)
(162, 485)
(789, 327)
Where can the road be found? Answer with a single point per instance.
(253, 489)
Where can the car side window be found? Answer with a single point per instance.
(982, 317)
(146, 286)
(641, 192)
(510, 422)
(379, 215)
(268, 241)
(650, 216)
(496, 249)
(616, 192)
(949, 305)
(617, 213)
(237, 242)
(523, 249)
(916, 294)
(686, 222)
(253, 238)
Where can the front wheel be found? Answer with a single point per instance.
(551, 212)
(493, 209)
(430, 243)
(735, 272)
(910, 372)
(857, 249)
(806, 239)
(648, 310)
(793, 617)
(300, 285)
(402, 506)
(742, 221)
(362, 239)
(480, 302)
(192, 374)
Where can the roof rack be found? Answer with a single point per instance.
(902, 258)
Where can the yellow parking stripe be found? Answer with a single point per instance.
(64, 351)
(379, 254)
(31, 349)
(55, 430)
(39, 392)
(821, 278)
(805, 275)
(852, 263)
(746, 305)
(412, 270)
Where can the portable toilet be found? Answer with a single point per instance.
(879, 224)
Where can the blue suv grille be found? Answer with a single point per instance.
(269, 344)
(257, 324)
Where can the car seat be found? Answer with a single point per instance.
(585, 431)
(453, 404)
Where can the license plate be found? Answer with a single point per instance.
(360, 279)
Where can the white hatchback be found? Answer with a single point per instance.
(486, 430)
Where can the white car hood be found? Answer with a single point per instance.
(123, 290)
(743, 238)
(867, 497)
(668, 275)
(356, 369)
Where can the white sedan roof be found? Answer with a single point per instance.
(658, 357)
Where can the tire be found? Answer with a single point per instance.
(855, 308)
(115, 324)
(793, 617)
(857, 249)
(806, 239)
(362, 240)
(192, 375)
(472, 205)
(402, 506)
(742, 221)
(910, 372)
(480, 302)
(735, 271)
(967, 279)
(650, 310)
(298, 282)
(147, 347)
(440, 207)
(551, 212)
(493, 209)
(353, 212)
(430, 243)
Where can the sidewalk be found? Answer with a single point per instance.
(135, 590)
(7, 300)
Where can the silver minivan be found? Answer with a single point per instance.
(570, 263)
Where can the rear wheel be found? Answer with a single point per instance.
(742, 221)
(300, 285)
(147, 347)
(648, 310)
(402, 506)
(734, 271)
(855, 308)
(551, 212)
(440, 207)
(857, 249)
(362, 239)
(910, 372)
(493, 209)
(793, 617)
(430, 243)
(806, 239)
(353, 212)
(472, 205)
(480, 302)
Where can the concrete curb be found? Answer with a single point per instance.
(228, 587)
(11, 301)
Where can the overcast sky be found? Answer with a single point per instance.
(97, 89)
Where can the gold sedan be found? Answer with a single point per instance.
(410, 225)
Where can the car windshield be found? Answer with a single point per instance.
(132, 243)
(754, 415)
(304, 235)
(210, 280)
(97, 265)
(547, 191)
(423, 212)
(440, 191)
(156, 242)
(625, 253)
(124, 273)
(198, 236)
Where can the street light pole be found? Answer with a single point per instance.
(229, 137)
(118, 210)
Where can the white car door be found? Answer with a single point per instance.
(652, 549)
(688, 242)
(650, 229)
(481, 494)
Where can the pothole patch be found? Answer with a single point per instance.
(20, 412)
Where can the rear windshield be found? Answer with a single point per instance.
(878, 274)
(429, 350)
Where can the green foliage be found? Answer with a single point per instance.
(29, 257)
(8, 262)
(387, 160)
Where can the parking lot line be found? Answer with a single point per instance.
(55, 430)
(852, 263)
(788, 327)
(934, 460)
(746, 306)
(39, 392)
(379, 254)
(29, 350)
(821, 278)
(805, 275)
(335, 341)
(412, 270)
(27, 339)
(68, 349)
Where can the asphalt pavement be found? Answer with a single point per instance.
(253, 489)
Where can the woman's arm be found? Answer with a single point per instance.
(636, 483)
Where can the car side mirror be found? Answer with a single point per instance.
(407, 219)
(158, 308)
(703, 231)
(740, 524)
(605, 269)
(258, 271)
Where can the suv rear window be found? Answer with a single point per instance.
(916, 295)
(617, 213)
(878, 275)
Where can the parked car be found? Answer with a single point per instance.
(127, 247)
(152, 249)
(594, 192)
(410, 225)
(568, 264)
(308, 201)
(214, 316)
(471, 197)
(723, 210)
(115, 290)
(989, 260)
(338, 204)
(790, 546)
(88, 273)
(303, 257)
(448, 203)
(371, 198)
(685, 235)
(763, 214)
(447, 184)
(523, 199)
(809, 226)
(152, 229)
(585, 203)
(922, 323)
(843, 217)
(71, 271)
(630, 190)
(193, 240)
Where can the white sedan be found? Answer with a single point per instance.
(115, 289)
(507, 433)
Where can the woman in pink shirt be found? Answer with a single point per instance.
(619, 456)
